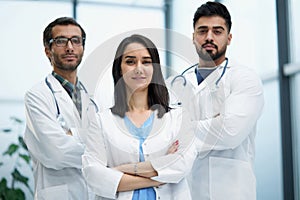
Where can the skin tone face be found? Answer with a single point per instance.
(211, 38)
(137, 68)
(65, 60)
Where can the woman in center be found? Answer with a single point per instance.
(145, 149)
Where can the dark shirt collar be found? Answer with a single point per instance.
(66, 84)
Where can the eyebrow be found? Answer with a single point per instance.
(214, 27)
(62, 36)
(145, 57)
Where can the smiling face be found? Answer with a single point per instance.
(65, 58)
(136, 67)
(211, 38)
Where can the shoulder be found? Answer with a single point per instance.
(106, 114)
(39, 89)
(239, 72)
(39, 92)
(174, 113)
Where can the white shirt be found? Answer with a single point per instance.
(225, 115)
(56, 156)
(115, 146)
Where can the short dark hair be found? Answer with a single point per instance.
(47, 36)
(213, 9)
(158, 96)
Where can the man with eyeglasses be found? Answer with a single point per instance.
(59, 114)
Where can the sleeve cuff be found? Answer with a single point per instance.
(102, 180)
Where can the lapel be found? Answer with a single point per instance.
(64, 101)
(157, 123)
(85, 100)
(210, 81)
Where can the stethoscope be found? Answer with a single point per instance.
(184, 79)
(59, 117)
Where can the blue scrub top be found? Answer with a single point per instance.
(141, 133)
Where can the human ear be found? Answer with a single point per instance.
(193, 38)
(48, 53)
(229, 39)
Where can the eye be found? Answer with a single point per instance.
(130, 62)
(201, 31)
(76, 40)
(147, 62)
(217, 32)
(61, 41)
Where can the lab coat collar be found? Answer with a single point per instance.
(62, 95)
(210, 80)
(157, 124)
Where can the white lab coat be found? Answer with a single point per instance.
(116, 146)
(226, 117)
(56, 156)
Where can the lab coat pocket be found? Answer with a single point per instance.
(231, 179)
(53, 193)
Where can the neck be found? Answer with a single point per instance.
(138, 101)
(68, 75)
(211, 63)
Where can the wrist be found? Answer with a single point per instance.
(135, 169)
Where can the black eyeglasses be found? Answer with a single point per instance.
(63, 41)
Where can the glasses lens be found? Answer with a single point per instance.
(61, 42)
(76, 41)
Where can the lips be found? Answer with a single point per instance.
(138, 78)
(209, 46)
(72, 56)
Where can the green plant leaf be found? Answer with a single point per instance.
(18, 120)
(17, 176)
(22, 143)
(14, 194)
(11, 149)
(1, 163)
(6, 130)
(3, 185)
(26, 158)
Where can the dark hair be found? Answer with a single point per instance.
(158, 96)
(213, 9)
(60, 21)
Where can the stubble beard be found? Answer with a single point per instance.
(209, 55)
(67, 67)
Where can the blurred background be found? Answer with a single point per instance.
(264, 38)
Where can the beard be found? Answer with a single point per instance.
(209, 55)
(57, 61)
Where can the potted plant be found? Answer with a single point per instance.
(18, 153)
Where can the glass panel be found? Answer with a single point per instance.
(295, 94)
(295, 30)
(295, 82)
(268, 157)
(152, 3)
(254, 34)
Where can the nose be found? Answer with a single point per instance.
(69, 46)
(138, 68)
(209, 36)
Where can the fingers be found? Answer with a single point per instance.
(173, 148)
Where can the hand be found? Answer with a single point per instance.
(173, 148)
(69, 132)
